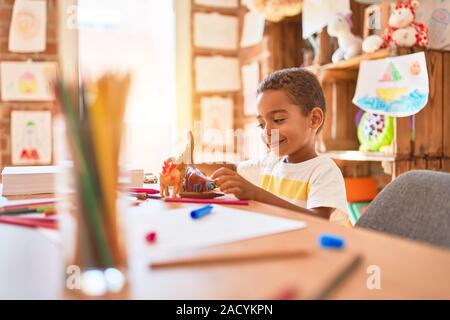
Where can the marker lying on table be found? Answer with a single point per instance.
(329, 241)
(203, 211)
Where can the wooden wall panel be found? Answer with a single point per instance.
(428, 122)
(446, 104)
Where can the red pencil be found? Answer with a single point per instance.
(213, 201)
(144, 190)
(30, 223)
(26, 205)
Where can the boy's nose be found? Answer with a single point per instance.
(268, 131)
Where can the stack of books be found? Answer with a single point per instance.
(29, 180)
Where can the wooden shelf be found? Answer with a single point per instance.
(345, 70)
(353, 155)
(354, 63)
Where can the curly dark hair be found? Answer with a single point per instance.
(301, 86)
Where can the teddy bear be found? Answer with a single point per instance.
(349, 44)
(403, 31)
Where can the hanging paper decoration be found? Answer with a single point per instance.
(396, 87)
(31, 137)
(276, 10)
(436, 16)
(27, 32)
(27, 81)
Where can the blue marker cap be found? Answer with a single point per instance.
(328, 241)
(198, 213)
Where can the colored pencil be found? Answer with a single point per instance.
(238, 257)
(95, 134)
(144, 190)
(324, 292)
(88, 190)
(26, 211)
(30, 205)
(206, 201)
(201, 195)
(30, 223)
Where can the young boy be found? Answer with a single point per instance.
(291, 111)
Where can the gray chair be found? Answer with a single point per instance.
(416, 205)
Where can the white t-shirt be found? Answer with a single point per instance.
(314, 183)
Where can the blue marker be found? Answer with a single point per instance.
(328, 241)
(203, 211)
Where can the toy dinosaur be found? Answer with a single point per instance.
(187, 180)
(170, 177)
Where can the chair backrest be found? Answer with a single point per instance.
(416, 205)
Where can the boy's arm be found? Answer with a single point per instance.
(231, 182)
(265, 196)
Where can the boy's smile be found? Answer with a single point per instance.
(286, 130)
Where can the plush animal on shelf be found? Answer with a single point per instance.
(349, 44)
(403, 31)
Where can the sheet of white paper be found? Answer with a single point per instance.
(218, 3)
(253, 31)
(27, 32)
(31, 137)
(217, 74)
(216, 31)
(217, 120)
(250, 81)
(176, 230)
(27, 81)
(31, 264)
(317, 14)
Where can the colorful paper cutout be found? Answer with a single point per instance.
(28, 28)
(31, 138)
(436, 16)
(27, 81)
(396, 87)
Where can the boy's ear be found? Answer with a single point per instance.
(317, 118)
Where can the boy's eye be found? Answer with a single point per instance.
(278, 121)
(261, 125)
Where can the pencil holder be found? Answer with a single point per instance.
(96, 264)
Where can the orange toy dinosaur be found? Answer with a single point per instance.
(170, 177)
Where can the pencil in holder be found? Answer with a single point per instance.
(94, 129)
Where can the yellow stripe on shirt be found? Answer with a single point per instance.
(286, 188)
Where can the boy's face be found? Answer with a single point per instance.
(286, 130)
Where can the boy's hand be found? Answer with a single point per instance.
(230, 181)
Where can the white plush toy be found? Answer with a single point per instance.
(403, 31)
(349, 44)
